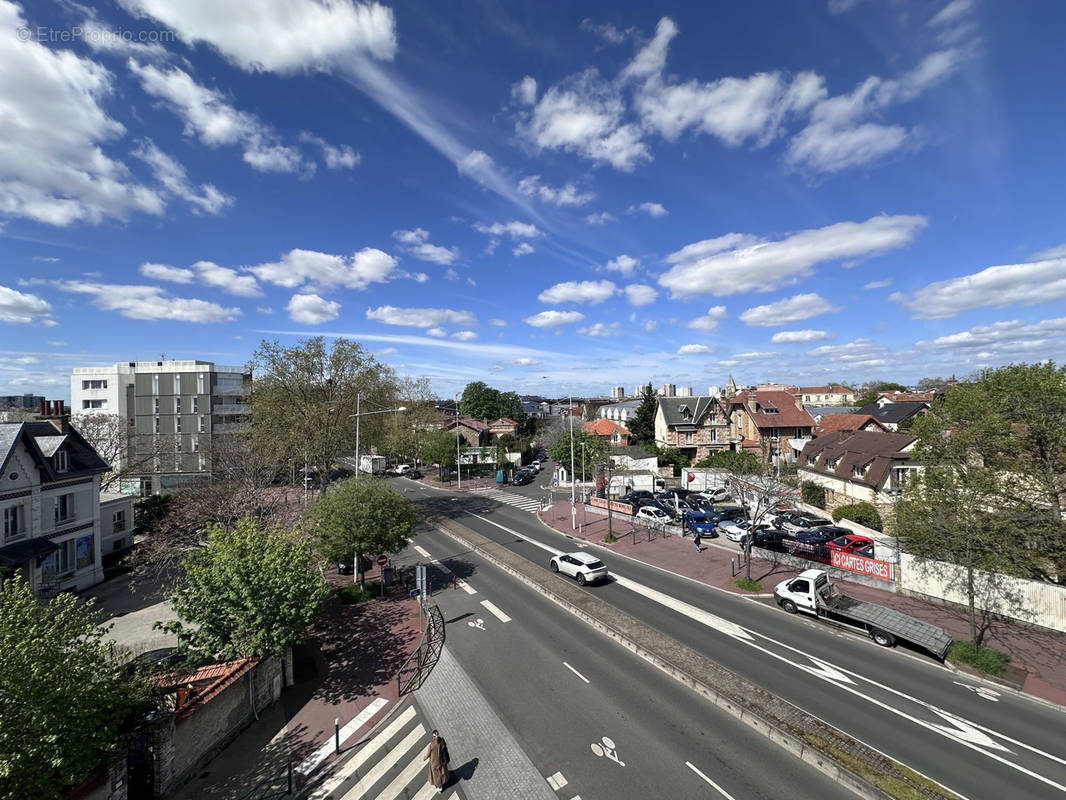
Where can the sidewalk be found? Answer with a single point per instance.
(1037, 665)
(345, 672)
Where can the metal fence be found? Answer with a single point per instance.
(416, 668)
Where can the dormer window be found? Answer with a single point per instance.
(831, 464)
(59, 460)
(859, 471)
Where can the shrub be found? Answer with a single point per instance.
(353, 593)
(863, 513)
(812, 494)
(984, 659)
(748, 585)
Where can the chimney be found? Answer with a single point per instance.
(40, 407)
(753, 397)
(61, 410)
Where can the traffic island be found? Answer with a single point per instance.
(851, 763)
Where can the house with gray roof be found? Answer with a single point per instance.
(697, 426)
(891, 413)
(50, 506)
(620, 412)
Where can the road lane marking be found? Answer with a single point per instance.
(358, 721)
(718, 788)
(557, 781)
(480, 624)
(495, 611)
(956, 734)
(605, 748)
(586, 680)
(379, 770)
(408, 774)
(422, 551)
(353, 764)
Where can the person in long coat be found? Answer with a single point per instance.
(437, 754)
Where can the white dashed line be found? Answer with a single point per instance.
(422, 551)
(466, 587)
(586, 680)
(490, 606)
(557, 781)
(720, 790)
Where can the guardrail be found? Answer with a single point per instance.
(416, 668)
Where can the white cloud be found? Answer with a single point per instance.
(478, 166)
(602, 330)
(583, 114)
(952, 13)
(498, 323)
(608, 32)
(464, 336)
(709, 321)
(651, 325)
(525, 362)
(149, 302)
(1010, 284)
(417, 243)
(165, 272)
(299, 267)
(654, 210)
(226, 279)
(53, 127)
(176, 180)
(209, 117)
(335, 156)
(420, 317)
(792, 337)
(859, 353)
(264, 309)
(419, 277)
(590, 292)
(103, 39)
(20, 307)
(640, 295)
(439, 333)
(302, 35)
(451, 274)
(522, 249)
(565, 195)
(312, 309)
(790, 309)
(600, 218)
(878, 284)
(46, 259)
(524, 91)
(694, 349)
(1058, 251)
(1004, 340)
(737, 263)
(514, 229)
(623, 263)
(549, 319)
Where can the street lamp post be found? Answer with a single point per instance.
(573, 486)
(458, 455)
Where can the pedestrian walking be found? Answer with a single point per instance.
(696, 538)
(437, 754)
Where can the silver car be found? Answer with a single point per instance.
(583, 567)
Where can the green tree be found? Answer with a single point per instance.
(438, 447)
(863, 513)
(252, 591)
(405, 431)
(65, 704)
(642, 426)
(736, 463)
(672, 456)
(480, 401)
(303, 397)
(595, 451)
(868, 392)
(362, 517)
(813, 494)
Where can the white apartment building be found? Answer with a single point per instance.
(50, 506)
(618, 393)
(174, 412)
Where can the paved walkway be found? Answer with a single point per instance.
(1038, 665)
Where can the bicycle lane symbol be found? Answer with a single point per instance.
(607, 750)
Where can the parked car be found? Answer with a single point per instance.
(681, 494)
(402, 469)
(675, 512)
(812, 537)
(797, 524)
(414, 474)
(583, 567)
(769, 539)
(848, 542)
(700, 503)
(715, 495)
(652, 513)
(629, 497)
(726, 514)
(534, 465)
(523, 476)
(735, 530)
(701, 523)
(779, 517)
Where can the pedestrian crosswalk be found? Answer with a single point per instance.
(530, 504)
(389, 766)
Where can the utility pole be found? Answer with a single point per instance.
(357, 397)
(573, 483)
(607, 468)
(458, 456)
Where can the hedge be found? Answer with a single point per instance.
(863, 513)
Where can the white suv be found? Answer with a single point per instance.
(584, 567)
(653, 513)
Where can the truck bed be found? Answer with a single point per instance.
(900, 625)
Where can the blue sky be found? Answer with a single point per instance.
(550, 198)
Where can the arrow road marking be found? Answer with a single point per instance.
(980, 691)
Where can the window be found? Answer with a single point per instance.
(64, 508)
(196, 405)
(203, 424)
(690, 438)
(177, 384)
(155, 384)
(195, 441)
(118, 520)
(155, 405)
(177, 444)
(201, 383)
(59, 461)
(93, 385)
(93, 404)
(858, 471)
(203, 462)
(155, 425)
(59, 563)
(177, 424)
(800, 586)
(83, 552)
(714, 434)
(177, 405)
(14, 522)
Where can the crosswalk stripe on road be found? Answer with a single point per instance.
(388, 767)
(530, 504)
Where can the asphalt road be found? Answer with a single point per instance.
(561, 688)
(985, 743)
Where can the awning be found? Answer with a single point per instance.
(18, 553)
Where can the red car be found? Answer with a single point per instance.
(850, 542)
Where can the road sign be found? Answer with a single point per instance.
(420, 580)
(383, 560)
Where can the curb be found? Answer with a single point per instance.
(820, 760)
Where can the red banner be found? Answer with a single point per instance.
(861, 565)
(601, 502)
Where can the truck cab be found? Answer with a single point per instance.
(799, 593)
